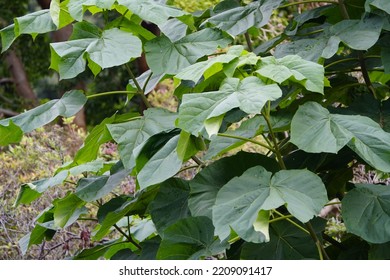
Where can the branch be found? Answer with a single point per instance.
(8, 113)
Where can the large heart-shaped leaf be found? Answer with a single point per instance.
(238, 20)
(366, 212)
(112, 47)
(69, 104)
(130, 135)
(207, 183)
(239, 202)
(315, 130)
(293, 68)
(250, 95)
(171, 203)
(190, 239)
(165, 56)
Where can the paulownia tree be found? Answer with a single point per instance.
(314, 99)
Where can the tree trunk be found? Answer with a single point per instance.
(19, 77)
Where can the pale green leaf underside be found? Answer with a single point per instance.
(130, 135)
(239, 201)
(293, 68)
(70, 103)
(315, 130)
(250, 95)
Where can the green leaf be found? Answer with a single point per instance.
(151, 10)
(161, 166)
(165, 56)
(10, 134)
(380, 4)
(239, 201)
(70, 103)
(67, 210)
(60, 14)
(94, 188)
(112, 47)
(114, 210)
(287, 242)
(31, 191)
(293, 68)
(208, 68)
(315, 130)
(170, 204)
(77, 7)
(366, 212)
(207, 183)
(190, 239)
(238, 20)
(187, 146)
(130, 135)
(380, 251)
(250, 95)
(97, 251)
(7, 37)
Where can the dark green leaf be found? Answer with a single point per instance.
(379, 251)
(207, 183)
(170, 204)
(366, 212)
(114, 210)
(190, 238)
(287, 242)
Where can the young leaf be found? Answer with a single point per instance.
(190, 239)
(315, 130)
(238, 20)
(293, 68)
(165, 56)
(239, 201)
(366, 212)
(69, 104)
(250, 95)
(129, 135)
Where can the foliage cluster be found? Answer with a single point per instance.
(314, 98)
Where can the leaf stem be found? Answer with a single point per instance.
(128, 237)
(187, 168)
(273, 138)
(321, 250)
(109, 93)
(247, 140)
(198, 161)
(281, 218)
(292, 222)
(140, 90)
(306, 2)
(248, 42)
